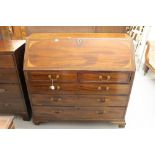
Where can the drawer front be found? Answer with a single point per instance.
(80, 113)
(80, 89)
(103, 77)
(6, 61)
(79, 100)
(11, 99)
(8, 76)
(122, 89)
(12, 104)
(9, 90)
(46, 77)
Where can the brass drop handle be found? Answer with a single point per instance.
(101, 112)
(56, 77)
(100, 88)
(56, 99)
(58, 87)
(101, 100)
(101, 77)
(52, 87)
(2, 91)
(107, 88)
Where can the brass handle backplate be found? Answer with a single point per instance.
(56, 99)
(2, 91)
(101, 112)
(101, 100)
(52, 87)
(54, 78)
(100, 88)
(104, 78)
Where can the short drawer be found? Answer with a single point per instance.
(78, 113)
(47, 77)
(104, 77)
(79, 100)
(68, 88)
(113, 89)
(6, 61)
(8, 76)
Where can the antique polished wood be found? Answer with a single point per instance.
(79, 100)
(13, 93)
(6, 122)
(79, 76)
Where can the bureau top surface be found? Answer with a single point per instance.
(79, 51)
(10, 45)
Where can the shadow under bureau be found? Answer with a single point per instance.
(79, 76)
(13, 93)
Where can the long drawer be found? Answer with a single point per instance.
(8, 76)
(69, 88)
(6, 61)
(78, 100)
(80, 113)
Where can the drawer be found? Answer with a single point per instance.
(6, 61)
(79, 100)
(9, 90)
(46, 77)
(103, 77)
(68, 88)
(11, 104)
(11, 99)
(78, 113)
(8, 76)
(116, 89)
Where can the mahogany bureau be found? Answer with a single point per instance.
(79, 76)
(13, 93)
